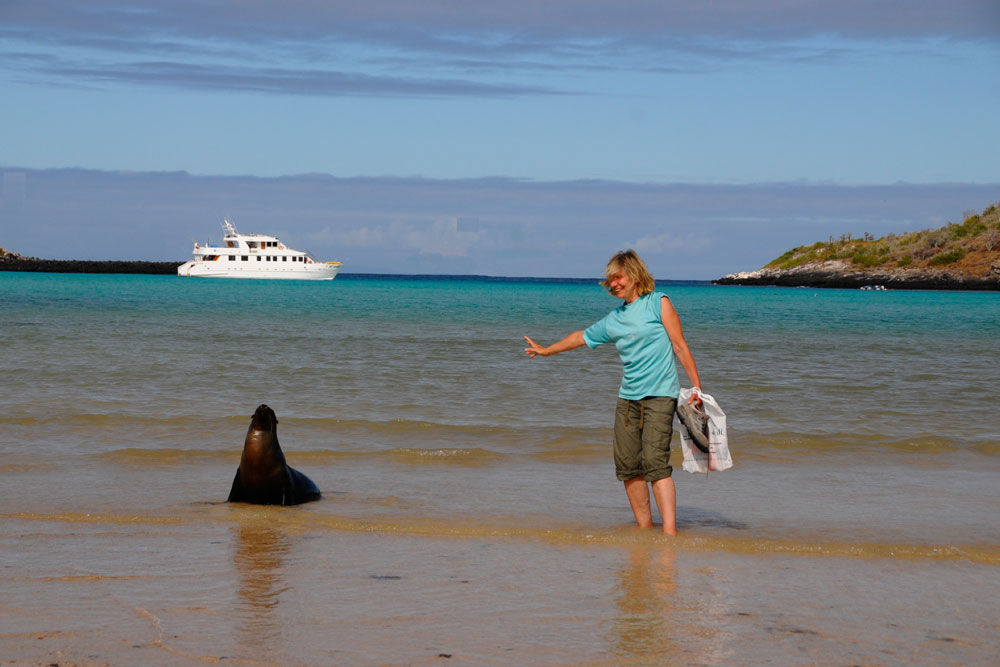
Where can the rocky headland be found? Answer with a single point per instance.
(963, 256)
(11, 261)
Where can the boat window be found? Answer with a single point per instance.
(284, 259)
(232, 258)
(243, 258)
(258, 258)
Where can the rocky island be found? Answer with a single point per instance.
(11, 261)
(957, 256)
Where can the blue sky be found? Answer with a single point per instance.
(656, 103)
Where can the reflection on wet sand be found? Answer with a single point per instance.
(258, 556)
(643, 626)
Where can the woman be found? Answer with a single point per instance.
(647, 333)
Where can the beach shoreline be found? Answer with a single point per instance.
(13, 262)
(839, 277)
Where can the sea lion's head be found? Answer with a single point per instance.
(264, 419)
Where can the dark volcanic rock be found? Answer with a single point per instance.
(844, 275)
(11, 261)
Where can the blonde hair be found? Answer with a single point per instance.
(633, 266)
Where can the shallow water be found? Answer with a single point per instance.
(470, 507)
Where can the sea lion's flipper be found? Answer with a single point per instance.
(237, 494)
(301, 489)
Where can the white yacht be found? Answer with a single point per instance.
(254, 256)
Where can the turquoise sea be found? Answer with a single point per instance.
(470, 511)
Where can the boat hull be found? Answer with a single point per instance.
(202, 269)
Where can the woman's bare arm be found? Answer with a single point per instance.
(672, 323)
(570, 342)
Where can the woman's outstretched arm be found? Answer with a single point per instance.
(570, 342)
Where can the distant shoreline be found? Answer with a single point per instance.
(816, 277)
(840, 277)
(13, 262)
(962, 256)
(811, 276)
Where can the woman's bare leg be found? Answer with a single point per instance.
(638, 498)
(666, 501)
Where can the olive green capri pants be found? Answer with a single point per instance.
(643, 430)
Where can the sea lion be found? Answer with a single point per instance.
(264, 478)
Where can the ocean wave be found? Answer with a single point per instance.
(474, 456)
(239, 423)
(24, 467)
(500, 432)
(988, 448)
(787, 447)
(409, 455)
(751, 443)
(984, 554)
(312, 519)
(91, 420)
(166, 456)
(411, 438)
(566, 449)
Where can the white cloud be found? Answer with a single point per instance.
(439, 237)
(361, 237)
(672, 243)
